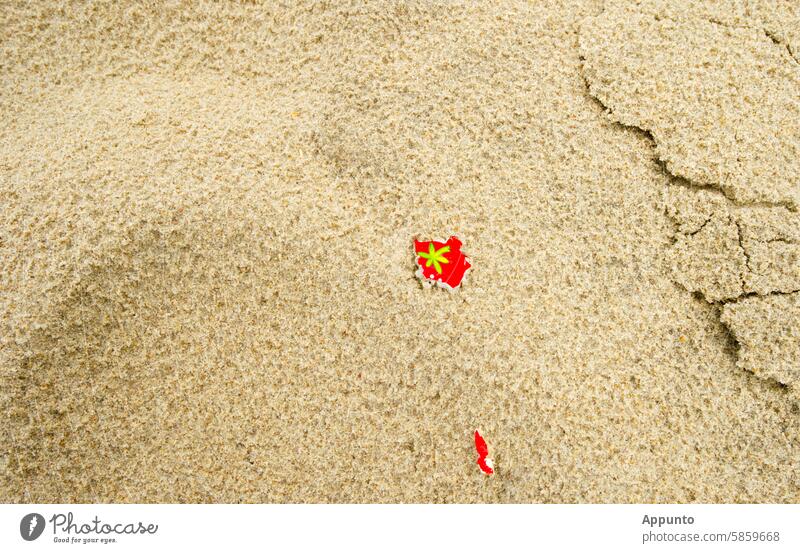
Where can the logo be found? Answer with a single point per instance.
(31, 526)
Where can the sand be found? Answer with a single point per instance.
(712, 96)
(726, 251)
(207, 215)
(766, 329)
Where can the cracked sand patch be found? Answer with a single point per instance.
(722, 103)
(726, 251)
(768, 334)
(781, 19)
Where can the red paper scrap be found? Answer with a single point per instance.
(441, 263)
(484, 462)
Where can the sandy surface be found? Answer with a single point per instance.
(207, 214)
(767, 331)
(711, 94)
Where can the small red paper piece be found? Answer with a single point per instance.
(441, 263)
(486, 464)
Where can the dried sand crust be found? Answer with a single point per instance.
(208, 276)
(721, 102)
(781, 21)
(726, 251)
(714, 86)
(767, 331)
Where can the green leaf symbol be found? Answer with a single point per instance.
(435, 257)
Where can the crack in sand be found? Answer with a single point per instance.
(772, 35)
(734, 240)
(744, 252)
(728, 83)
(692, 233)
(767, 346)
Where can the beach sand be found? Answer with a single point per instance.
(207, 221)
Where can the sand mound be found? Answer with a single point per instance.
(713, 85)
(208, 267)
